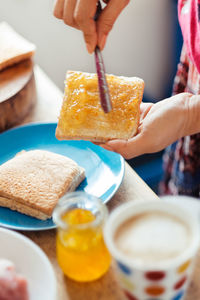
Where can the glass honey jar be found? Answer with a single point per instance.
(80, 247)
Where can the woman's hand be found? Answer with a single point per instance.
(80, 14)
(161, 124)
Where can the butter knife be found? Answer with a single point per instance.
(100, 69)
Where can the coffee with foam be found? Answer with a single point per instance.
(153, 237)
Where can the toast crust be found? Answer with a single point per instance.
(94, 139)
(22, 208)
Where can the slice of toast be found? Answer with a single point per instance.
(33, 181)
(82, 117)
(13, 47)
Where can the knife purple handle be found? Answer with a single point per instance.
(102, 82)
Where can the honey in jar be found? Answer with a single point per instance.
(80, 247)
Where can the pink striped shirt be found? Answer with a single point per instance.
(189, 19)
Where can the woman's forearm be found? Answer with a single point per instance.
(193, 118)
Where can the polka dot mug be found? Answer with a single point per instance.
(157, 280)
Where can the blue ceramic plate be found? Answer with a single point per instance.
(104, 169)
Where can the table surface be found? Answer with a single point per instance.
(49, 99)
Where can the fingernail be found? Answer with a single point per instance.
(102, 41)
(106, 147)
(89, 48)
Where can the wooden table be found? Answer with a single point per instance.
(49, 99)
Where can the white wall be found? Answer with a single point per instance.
(140, 43)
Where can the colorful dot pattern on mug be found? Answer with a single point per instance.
(180, 283)
(124, 268)
(154, 290)
(155, 275)
(179, 296)
(130, 296)
(184, 267)
(126, 283)
(154, 283)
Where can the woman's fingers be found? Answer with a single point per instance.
(58, 9)
(84, 17)
(80, 14)
(127, 148)
(144, 109)
(105, 146)
(68, 13)
(107, 19)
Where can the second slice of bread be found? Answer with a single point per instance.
(32, 182)
(13, 47)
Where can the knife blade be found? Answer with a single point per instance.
(104, 94)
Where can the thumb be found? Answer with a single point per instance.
(107, 19)
(129, 148)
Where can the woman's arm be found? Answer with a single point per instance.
(161, 124)
(193, 125)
